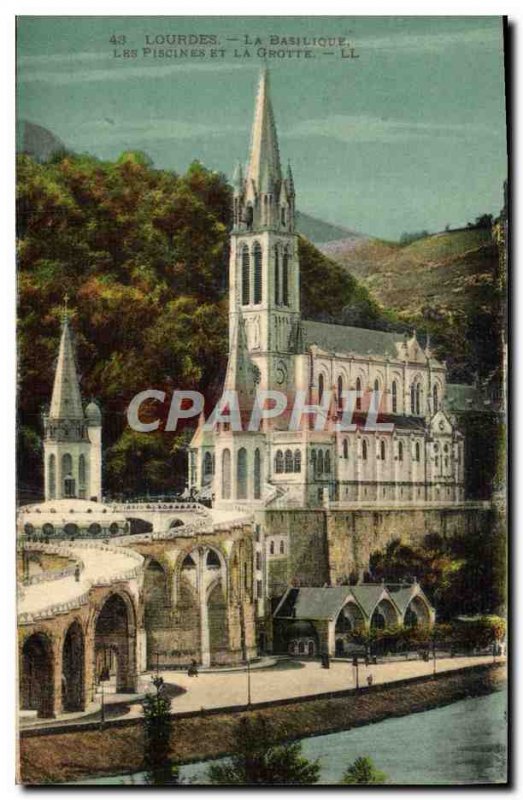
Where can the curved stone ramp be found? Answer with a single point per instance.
(103, 564)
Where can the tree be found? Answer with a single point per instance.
(363, 772)
(158, 724)
(258, 760)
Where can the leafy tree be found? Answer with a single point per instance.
(258, 760)
(363, 772)
(158, 726)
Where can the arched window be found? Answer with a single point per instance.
(288, 461)
(81, 475)
(271, 547)
(282, 547)
(417, 452)
(314, 462)
(226, 474)
(52, 477)
(394, 397)
(257, 273)
(376, 387)
(412, 399)
(285, 278)
(327, 462)
(340, 393)
(207, 464)
(321, 386)
(345, 448)
(358, 394)
(278, 462)
(257, 474)
(435, 398)
(297, 461)
(382, 450)
(276, 276)
(246, 276)
(400, 451)
(418, 398)
(47, 529)
(95, 529)
(320, 462)
(241, 474)
(68, 481)
(283, 215)
(364, 450)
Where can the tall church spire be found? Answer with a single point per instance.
(66, 401)
(264, 165)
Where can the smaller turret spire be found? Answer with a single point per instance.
(290, 180)
(66, 401)
(237, 180)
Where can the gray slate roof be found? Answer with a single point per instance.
(314, 603)
(347, 339)
(401, 595)
(367, 596)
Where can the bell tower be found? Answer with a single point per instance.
(264, 284)
(72, 441)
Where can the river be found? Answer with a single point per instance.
(462, 743)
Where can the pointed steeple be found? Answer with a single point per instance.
(66, 401)
(264, 165)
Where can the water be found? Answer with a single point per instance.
(463, 743)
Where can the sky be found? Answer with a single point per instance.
(407, 135)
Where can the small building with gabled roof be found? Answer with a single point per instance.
(312, 620)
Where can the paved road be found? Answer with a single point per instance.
(288, 679)
(295, 679)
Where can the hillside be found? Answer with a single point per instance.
(445, 283)
(435, 272)
(320, 232)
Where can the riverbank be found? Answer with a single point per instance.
(58, 756)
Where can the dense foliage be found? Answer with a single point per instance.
(258, 760)
(142, 254)
(460, 575)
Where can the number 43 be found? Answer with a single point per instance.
(117, 39)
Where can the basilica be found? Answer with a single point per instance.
(416, 452)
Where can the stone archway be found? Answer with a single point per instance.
(115, 642)
(349, 619)
(37, 675)
(384, 615)
(73, 669)
(417, 613)
(156, 606)
(199, 571)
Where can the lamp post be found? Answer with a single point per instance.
(434, 655)
(355, 664)
(249, 682)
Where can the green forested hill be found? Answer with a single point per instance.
(142, 254)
